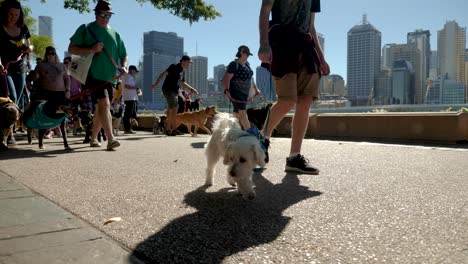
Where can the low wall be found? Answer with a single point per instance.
(449, 127)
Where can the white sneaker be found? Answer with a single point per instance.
(112, 144)
(94, 144)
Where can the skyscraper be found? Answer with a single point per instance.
(218, 74)
(363, 65)
(402, 80)
(422, 39)
(451, 45)
(160, 50)
(410, 53)
(321, 40)
(45, 26)
(386, 62)
(197, 75)
(265, 83)
(433, 65)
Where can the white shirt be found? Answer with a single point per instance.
(129, 94)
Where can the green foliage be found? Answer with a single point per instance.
(463, 110)
(40, 43)
(191, 10)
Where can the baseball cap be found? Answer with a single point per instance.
(243, 49)
(132, 67)
(186, 58)
(103, 6)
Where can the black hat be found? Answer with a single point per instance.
(186, 58)
(243, 49)
(132, 67)
(103, 6)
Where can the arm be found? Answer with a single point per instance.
(160, 78)
(2, 69)
(124, 65)
(66, 81)
(227, 80)
(324, 68)
(186, 85)
(264, 52)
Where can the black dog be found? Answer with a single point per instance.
(159, 125)
(195, 105)
(43, 115)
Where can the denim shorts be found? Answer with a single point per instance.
(171, 99)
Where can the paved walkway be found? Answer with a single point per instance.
(35, 230)
(371, 203)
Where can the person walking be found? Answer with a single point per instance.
(289, 42)
(14, 42)
(237, 82)
(109, 51)
(130, 98)
(173, 81)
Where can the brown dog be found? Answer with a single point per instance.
(197, 119)
(9, 113)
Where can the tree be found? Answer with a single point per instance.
(191, 10)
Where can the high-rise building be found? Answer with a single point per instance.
(451, 49)
(433, 91)
(422, 39)
(265, 83)
(452, 92)
(402, 80)
(160, 50)
(386, 62)
(321, 40)
(433, 65)
(218, 74)
(383, 91)
(410, 53)
(197, 74)
(363, 65)
(45, 26)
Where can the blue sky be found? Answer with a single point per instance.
(218, 39)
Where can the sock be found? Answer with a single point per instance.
(293, 154)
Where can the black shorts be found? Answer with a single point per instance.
(99, 89)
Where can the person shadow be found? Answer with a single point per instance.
(224, 223)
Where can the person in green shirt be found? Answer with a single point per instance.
(110, 56)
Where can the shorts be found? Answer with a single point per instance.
(171, 98)
(100, 89)
(237, 95)
(292, 86)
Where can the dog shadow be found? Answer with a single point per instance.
(224, 224)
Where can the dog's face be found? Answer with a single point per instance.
(241, 158)
(210, 111)
(8, 116)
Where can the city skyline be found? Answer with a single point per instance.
(218, 40)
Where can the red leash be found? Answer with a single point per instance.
(228, 95)
(88, 91)
(5, 72)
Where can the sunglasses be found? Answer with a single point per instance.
(102, 15)
(51, 53)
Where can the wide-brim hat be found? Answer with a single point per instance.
(103, 6)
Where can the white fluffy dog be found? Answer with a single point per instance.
(241, 153)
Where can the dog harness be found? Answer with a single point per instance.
(39, 120)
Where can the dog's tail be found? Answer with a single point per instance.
(224, 120)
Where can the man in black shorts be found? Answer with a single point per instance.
(173, 80)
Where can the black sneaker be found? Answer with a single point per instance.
(177, 133)
(300, 164)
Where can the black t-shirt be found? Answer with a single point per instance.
(294, 13)
(174, 78)
(11, 48)
(242, 79)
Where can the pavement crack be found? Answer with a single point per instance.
(40, 233)
(91, 239)
(17, 197)
(11, 190)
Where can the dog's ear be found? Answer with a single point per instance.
(259, 155)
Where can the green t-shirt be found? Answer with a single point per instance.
(101, 67)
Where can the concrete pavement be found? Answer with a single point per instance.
(371, 203)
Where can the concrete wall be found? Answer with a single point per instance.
(448, 127)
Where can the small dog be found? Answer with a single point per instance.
(159, 125)
(117, 114)
(241, 152)
(9, 114)
(43, 115)
(197, 119)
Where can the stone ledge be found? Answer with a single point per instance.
(447, 127)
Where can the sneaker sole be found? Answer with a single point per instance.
(293, 169)
(113, 145)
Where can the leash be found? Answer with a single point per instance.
(228, 95)
(92, 89)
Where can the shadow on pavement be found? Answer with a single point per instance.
(224, 224)
(198, 145)
(14, 153)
